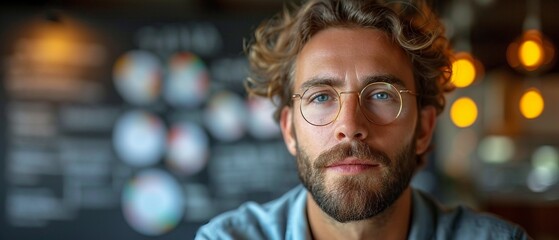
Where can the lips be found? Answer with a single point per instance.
(351, 166)
(351, 157)
(352, 161)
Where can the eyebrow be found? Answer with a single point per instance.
(321, 81)
(388, 78)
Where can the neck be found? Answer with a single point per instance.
(392, 223)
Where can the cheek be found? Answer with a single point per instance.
(391, 138)
(313, 140)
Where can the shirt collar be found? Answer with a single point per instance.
(421, 226)
(423, 218)
(297, 227)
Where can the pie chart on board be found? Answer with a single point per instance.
(188, 148)
(261, 121)
(152, 202)
(225, 116)
(139, 138)
(187, 81)
(137, 76)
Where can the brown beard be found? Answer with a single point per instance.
(355, 198)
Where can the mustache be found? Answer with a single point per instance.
(355, 149)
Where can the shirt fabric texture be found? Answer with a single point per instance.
(285, 218)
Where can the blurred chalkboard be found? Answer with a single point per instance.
(98, 143)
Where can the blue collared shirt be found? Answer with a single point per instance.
(285, 218)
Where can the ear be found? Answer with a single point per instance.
(286, 125)
(425, 129)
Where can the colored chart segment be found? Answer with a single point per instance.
(139, 138)
(137, 77)
(152, 202)
(187, 81)
(226, 116)
(261, 122)
(188, 148)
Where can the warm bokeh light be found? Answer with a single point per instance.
(463, 112)
(531, 103)
(464, 73)
(53, 44)
(62, 43)
(55, 47)
(463, 70)
(531, 54)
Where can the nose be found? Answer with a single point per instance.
(351, 124)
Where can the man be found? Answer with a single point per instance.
(359, 84)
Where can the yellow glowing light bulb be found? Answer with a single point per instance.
(463, 112)
(54, 48)
(531, 104)
(531, 54)
(463, 73)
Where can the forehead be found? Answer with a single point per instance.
(351, 57)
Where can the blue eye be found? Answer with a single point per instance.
(320, 95)
(381, 96)
(321, 98)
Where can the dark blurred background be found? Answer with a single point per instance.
(128, 120)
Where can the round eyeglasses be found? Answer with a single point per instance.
(380, 102)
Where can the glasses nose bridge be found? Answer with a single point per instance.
(358, 107)
(358, 93)
(350, 92)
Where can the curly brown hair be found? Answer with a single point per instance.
(413, 26)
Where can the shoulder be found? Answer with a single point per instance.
(256, 221)
(465, 223)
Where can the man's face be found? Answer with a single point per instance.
(353, 168)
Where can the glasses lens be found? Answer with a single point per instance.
(381, 103)
(320, 105)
